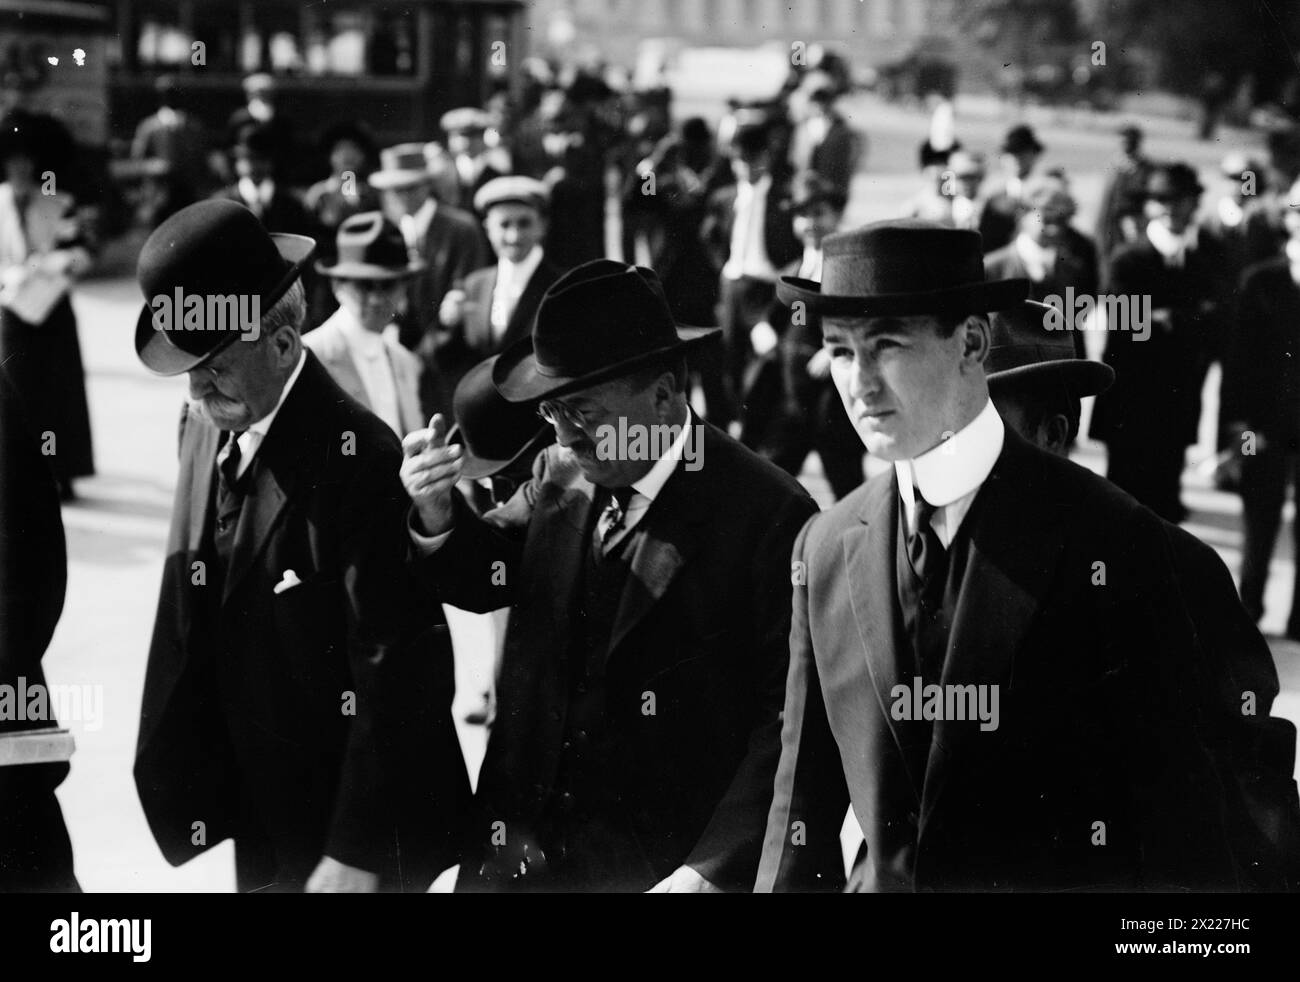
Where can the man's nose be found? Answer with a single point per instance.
(865, 379)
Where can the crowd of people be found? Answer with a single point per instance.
(695, 673)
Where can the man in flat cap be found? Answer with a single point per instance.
(992, 658)
(646, 560)
(297, 696)
(494, 306)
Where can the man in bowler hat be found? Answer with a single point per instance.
(297, 697)
(991, 657)
(638, 711)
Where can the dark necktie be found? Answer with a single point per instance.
(228, 472)
(924, 549)
(614, 516)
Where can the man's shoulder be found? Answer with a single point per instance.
(753, 478)
(453, 218)
(326, 340)
(1266, 274)
(333, 418)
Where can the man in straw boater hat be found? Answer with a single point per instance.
(995, 636)
(447, 240)
(297, 696)
(646, 560)
(368, 278)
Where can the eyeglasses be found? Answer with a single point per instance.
(552, 410)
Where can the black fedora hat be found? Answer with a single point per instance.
(1021, 139)
(212, 248)
(899, 268)
(1023, 352)
(598, 321)
(370, 247)
(494, 432)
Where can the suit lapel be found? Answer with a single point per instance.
(478, 322)
(869, 558)
(344, 370)
(568, 535)
(202, 459)
(274, 473)
(408, 387)
(1016, 540)
(521, 318)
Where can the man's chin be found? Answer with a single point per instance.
(222, 418)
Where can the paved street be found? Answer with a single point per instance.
(116, 530)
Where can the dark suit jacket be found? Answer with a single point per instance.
(35, 854)
(1157, 392)
(778, 232)
(1261, 377)
(702, 624)
(1107, 702)
(997, 222)
(461, 347)
(836, 157)
(383, 789)
(453, 247)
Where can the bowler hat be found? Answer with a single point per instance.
(402, 166)
(599, 321)
(1021, 139)
(212, 248)
(1173, 181)
(495, 433)
(370, 247)
(1024, 351)
(899, 268)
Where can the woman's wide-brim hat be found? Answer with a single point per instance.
(902, 268)
(216, 251)
(600, 321)
(1025, 352)
(496, 434)
(370, 247)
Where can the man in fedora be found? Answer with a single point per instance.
(494, 307)
(297, 695)
(369, 278)
(639, 696)
(445, 239)
(466, 129)
(1150, 416)
(990, 656)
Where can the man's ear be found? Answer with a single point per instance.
(288, 345)
(1054, 433)
(975, 337)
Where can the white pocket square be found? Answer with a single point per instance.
(287, 582)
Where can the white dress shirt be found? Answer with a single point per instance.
(1038, 260)
(370, 356)
(748, 252)
(416, 226)
(256, 195)
(512, 278)
(810, 267)
(951, 474)
(1172, 247)
(251, 439)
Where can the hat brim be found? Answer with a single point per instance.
(476, 468)
(1080, 376)
(968, 298)
(161, 357)
(390, 180)
(368, 271)
(519, 377)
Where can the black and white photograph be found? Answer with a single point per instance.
(588, 447)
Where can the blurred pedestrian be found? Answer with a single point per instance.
(368, 275)
(45, 246)
(493, 307)
(1119, 218)
(825, 143)
(475, 164)
(1019, 154)
(261, 109)
(576, 181)
(445, 239)
(180, 138)
(1150, 416)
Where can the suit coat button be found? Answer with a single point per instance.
(581, 736)
(566, 745)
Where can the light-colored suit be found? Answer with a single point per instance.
(331, 347)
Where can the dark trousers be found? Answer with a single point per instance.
(742, 304)
(1265, 478)
(1150, 468)
(35, 851)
